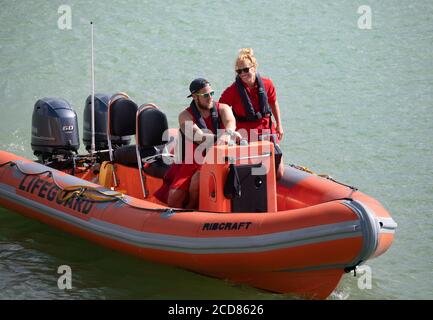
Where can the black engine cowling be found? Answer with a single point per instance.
(54, 129)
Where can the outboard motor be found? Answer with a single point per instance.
(54, 130)
(101, 120)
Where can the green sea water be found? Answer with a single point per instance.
(356, 104)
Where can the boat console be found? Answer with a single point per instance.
(239, 178)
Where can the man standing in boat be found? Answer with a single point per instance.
(206, 122)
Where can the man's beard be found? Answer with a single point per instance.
(204, 106)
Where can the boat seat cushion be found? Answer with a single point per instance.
(156, 169)
(127, 156)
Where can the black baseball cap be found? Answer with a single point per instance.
(197, 84)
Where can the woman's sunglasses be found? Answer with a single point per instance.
(206, 95)
(244, 70)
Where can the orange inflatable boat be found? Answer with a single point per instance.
(297, 235)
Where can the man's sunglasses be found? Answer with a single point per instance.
(206, 95)
(244, 70)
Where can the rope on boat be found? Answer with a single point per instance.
(93, 194)
(88, 192)
(326, 176)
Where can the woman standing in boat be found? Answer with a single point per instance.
(254, 100)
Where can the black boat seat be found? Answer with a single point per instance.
(121, 112)
(121, 118)
(151, 138)
(121, 115)
(152, 132)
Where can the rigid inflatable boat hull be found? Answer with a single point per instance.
(303, 251)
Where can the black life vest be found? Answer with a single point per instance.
(201, 123)
(265, 110)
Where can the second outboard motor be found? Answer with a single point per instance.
(54, 129)
(101, 120)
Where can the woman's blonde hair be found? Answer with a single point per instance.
(246, 54)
